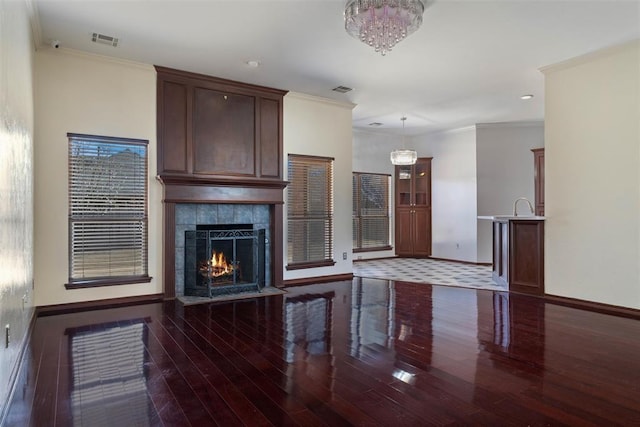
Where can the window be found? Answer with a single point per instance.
(309, 212)
(370, 212)
(107, 211)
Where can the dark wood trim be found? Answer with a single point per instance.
(320, 279)
(377, 258)
(110, 281)
(212, 180)
(180, 75)
(314, 264)
(75, 307)
(597, 307)
(277, 245)
(430, 257)
(381, 248)
(17, 368)
(460, 261)
(169, 250)
(190, 193)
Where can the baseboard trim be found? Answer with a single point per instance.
(429, 257)
(461, 262)
(320, 279)
(375, 259)
(598, 307)
(75, 307)
(17, 367)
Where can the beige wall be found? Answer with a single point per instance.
(319, 127)
(87, 94)
(453, 191)
(592, 167)
(16, 186)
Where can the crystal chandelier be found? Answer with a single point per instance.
(383, 23)
(404, 156)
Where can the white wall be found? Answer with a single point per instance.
(592, 167)
(371, 153)
(87, 94)
(320, 127)
(453, 198)
(16, 186)
(505, 172)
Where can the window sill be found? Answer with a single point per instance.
(302, 265)
(110, 281)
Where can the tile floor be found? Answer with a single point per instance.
(435, 272)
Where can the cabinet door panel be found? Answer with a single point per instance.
(422, 231)
(172, 155)
(404, 238)
(223, 133)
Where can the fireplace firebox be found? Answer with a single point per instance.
(224, 261)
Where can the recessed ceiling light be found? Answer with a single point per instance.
(526, 96)
(253, 63)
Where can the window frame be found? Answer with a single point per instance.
(357, 212)
(141, 216)
(329, 257)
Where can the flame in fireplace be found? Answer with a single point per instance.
(218, 266)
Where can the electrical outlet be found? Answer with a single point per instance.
(344, 255)
(7, 329)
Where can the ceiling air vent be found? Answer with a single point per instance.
(342, 89)
(102, 39)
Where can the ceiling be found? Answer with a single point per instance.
(469, 62)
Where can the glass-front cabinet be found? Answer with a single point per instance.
(413, 209)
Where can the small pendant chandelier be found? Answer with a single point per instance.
(403, 157)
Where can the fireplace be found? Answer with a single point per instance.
(223, 260)
(219, 144)
(241, 233)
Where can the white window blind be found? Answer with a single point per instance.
(309, 211)
(107, 210)
(370, 211)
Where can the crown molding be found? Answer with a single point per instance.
(500, 125)
(34, 21)
(589, 57)
(96, 57)
(306, 97)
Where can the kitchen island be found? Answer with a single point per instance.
(518, 252)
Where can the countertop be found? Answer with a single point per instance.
(512, 217)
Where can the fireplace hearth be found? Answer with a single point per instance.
(224, 261)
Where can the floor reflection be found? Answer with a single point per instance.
(108, 375)
(308, 322)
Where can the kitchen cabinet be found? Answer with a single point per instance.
(413, 209)
(518, 254)
(538, 179)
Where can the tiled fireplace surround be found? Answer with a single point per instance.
(188, 215)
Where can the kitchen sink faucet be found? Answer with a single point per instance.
(515, 204)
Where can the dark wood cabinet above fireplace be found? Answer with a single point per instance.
(211, 129)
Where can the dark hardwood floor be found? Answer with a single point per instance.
(367, 352)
